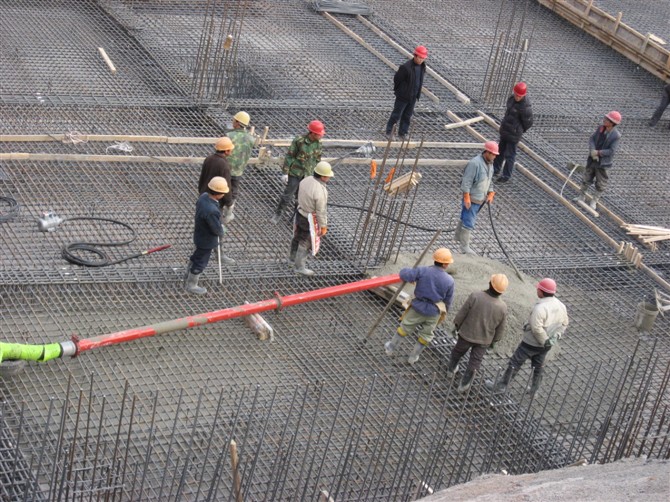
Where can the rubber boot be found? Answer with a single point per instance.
(228, 215)
(227, 260)
(501, 384)
(464, 241)
(466, 381)
(537, 380)
(277, 216)
(300, 259)
(457, 232)
(452, 367)
(291, 255)
(390, 346)
(594, 200)
(192, 284)
(416, 352)
(582, 194)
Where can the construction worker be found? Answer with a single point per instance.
(477, 190)
(407, 83)
(665, 101)
(602, 146)
(243, 143)
(517, 120)
(547, 323)
(433, 294)
(207, 232)
(312, 205)
(299, 163)
(479, 323)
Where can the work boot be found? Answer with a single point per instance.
(276, 217)
(537, 380)
(227, 215)
(227, 260)
(300, 259)
(594, 200)
(416, 352)
(501, 384)
(465, 241)
(452, 368)
(390, 346)
(192, 284)
(466, 381)
(581, 197)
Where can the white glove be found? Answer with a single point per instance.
(594, 155)
(284, 179)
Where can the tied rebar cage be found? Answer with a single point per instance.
(175, 444)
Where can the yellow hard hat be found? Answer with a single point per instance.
(224, 144)
(323, 168)
(243, 118)
(443, 255)
(218, 184)
(499, 282)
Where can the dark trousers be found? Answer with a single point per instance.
(301, 235)
(229, 199)
(535, 354)
(290, 191)
(402, 111)
(477, 353)
(199, 260)
(508, 155)
(665, 101)
(593, 172)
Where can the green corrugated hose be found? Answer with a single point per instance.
(20, 351)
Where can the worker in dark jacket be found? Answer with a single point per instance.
(479, 323)
(665, 101)
(433, 294)
(207, 232)
(217, 165)
(602, 146)
(517, 120)
(407, 84)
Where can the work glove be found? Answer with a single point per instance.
(490, 196)
(324, 230)
(547, 343)
(594, 155)
(492, 346)
(466, 200)
(284, 179)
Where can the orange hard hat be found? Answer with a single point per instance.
(499, 282)
(224, 144)
(443, 255)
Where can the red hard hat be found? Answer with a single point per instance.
(547, 285)
(614, 116)
(421, 51)
(491, 146)
(316, 127)
(520, 89)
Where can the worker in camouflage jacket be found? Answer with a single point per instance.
(243, 144)
(300, 161)
(517, 120)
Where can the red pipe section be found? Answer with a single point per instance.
(276, 303)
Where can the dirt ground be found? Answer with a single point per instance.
(471, 273)
(625, 480)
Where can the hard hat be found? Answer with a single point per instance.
(421, 51)
(499, 282)
(243, 118)
(218, 184)
(547, 285)
(323, 168)
(443, 255)
(614, 117)
(224, 144)
(520, 89)
(491, 146)
(316, 127)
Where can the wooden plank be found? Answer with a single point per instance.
(471, 121)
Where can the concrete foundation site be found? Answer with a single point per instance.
(107, 109)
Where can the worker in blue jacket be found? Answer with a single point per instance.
(433, 294)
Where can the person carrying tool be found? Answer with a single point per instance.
(477, 190)
(299, 163)
(546, 325)
(517, 120)
(407, 84)
(602, 146)
(311, 218)
(208, 230)
(665, 101)
(433, 294)
(243, 143)
(480, 323)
